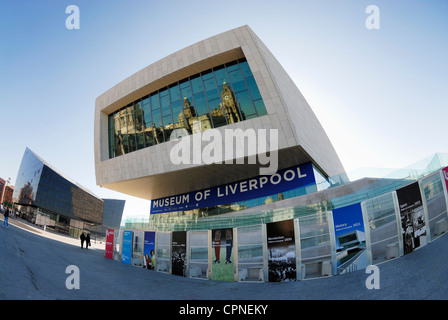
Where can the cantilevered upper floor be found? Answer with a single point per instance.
(229, 81)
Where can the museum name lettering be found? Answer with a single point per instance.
(230, 189)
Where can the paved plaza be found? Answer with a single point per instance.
(33, 266)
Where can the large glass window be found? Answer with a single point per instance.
(213, 98)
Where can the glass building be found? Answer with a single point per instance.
(46, 197)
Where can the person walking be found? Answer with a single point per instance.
(83, 238)
(6, 215)
(88, 241)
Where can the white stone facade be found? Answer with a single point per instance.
(148, 173)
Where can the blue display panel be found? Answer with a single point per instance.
(127, 247)
(260, 186)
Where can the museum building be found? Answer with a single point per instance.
(163, 134)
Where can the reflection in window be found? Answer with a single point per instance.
(157, 129)
(147, 122)
(139, 125)
(131, 127)
(214, 98)
(110, 135)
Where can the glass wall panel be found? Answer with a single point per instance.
(139, 124)
(155, 103)
(185, 90)
(245, 68)
(238, 83)
(200, 104)
(260, 107)
(131, 127)
(140, 141)
(221, 75)
(118, 240)
(207, 74)
(202, 111)
(177, 111)
(232, 66)
(157, 128)
(146, 111)
(250, 253)
(150, 137)
(174, 93)
(156, 117)
(163, 255)
(167, 118)
(211, 89)
(198, 247)
(163, 93)
(435, 201)
(196, 84)
(382, 225)
(315, 244)
(111, 136)
(138, 116)
(253, 88)
(245, 104)
(118, 138)
(137, 249)
(217, 114)
(230, 105)
(147, 122)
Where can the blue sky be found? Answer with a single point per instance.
(381, 95)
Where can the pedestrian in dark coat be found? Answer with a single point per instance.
(82, 237)
(88, 241)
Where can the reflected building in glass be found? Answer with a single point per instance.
(45, 196)
(217, 97)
